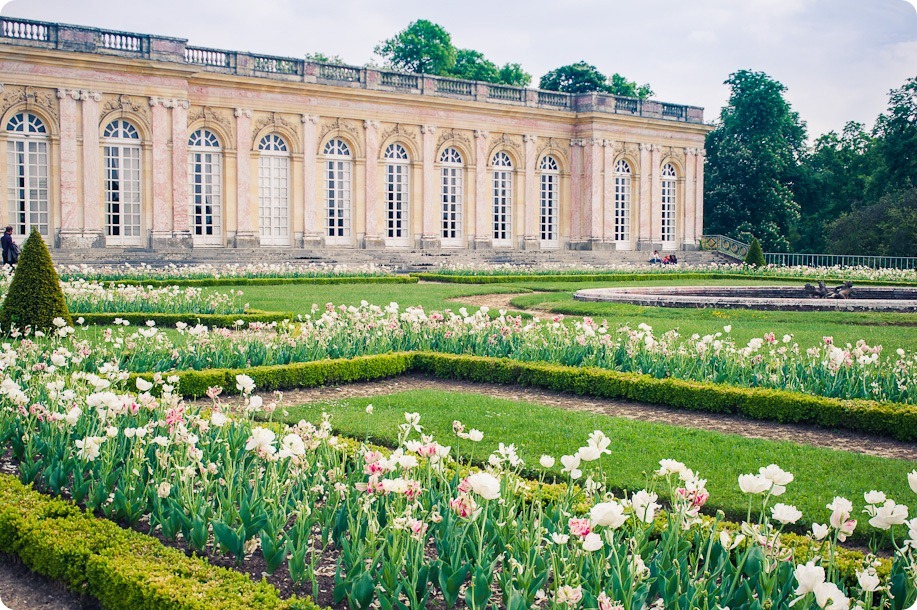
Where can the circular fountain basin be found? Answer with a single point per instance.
(775, 298)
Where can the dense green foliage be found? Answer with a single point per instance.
(171, 319)
(752, 160)
(425, 47)
(636, 448)
(755, 256)
(581, 77)
(121, 568)
(34, 297)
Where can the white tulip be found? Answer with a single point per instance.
(143, 385)
(754, 483)
(546, 461)
(592, 542)
(785, 514)
(608, 514)
(485, 485)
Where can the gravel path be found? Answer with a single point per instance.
(21, 589)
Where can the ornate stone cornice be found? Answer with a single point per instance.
(243, 112)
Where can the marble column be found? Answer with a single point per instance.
(699, 193)
(644, 238)
(373, 238)
(577, 192)
(430, 237)
(689, 238)
(161, 233)
(245, 235)
(93, 205)
(69, 178)
(311, 236)
(531, 238)
(483, 233)
(181, 231)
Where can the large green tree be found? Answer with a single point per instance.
(752, 161)
(620, 85)
(513, 74)
(885, 228)
(423, 47)
(584, 78)
(896, 141)
(472, 65)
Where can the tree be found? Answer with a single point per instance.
(885, 228)
(896, 145)
(472, 65)
(423, 47)
(619, 85)
(755, 256)
(325, 59)
(752, 162)
(34, 297)
(513, 74)
(574, 78)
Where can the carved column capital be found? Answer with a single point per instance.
(90, 95)
(310, 118)
(701, 152)
(480, 133)
(428, 129)
(243, 112)
(180, 103)
(370, 124)
(62, 93)
(644, 146)
(529, 138)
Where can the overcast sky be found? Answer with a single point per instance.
(838, 58)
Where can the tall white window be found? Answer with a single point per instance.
(123, 184)
(274, 191)
(623, 178)
(549, 201)
(27, 174)
(452, 183)
(503, 200)
(338, 191)
(668, 206)
(205, 188)
(397, 195)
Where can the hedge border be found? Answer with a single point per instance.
(171, 319)
(890, 420)
(629, 277)
(121, 568)
(263, 281)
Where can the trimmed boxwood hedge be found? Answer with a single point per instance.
(267, 281)
(891, 420)
(123, 569)
(171, 319)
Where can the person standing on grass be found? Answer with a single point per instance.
(10, 249)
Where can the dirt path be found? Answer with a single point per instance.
(21, 589)
(730, 424)
(501, 301)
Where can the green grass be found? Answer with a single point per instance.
(636, 447)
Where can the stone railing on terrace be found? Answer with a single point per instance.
(81, 39)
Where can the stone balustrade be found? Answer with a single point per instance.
(162, 48)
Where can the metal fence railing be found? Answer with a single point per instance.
(738, 251)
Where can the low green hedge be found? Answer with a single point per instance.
(892, 420)
(267, 281)
(631, 277)
(171, 319)
(123, 569)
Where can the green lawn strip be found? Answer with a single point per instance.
(636, 447)
(123, 569)
(260, 281)
(504, 278)
(171, 319)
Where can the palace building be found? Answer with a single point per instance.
(122, 140)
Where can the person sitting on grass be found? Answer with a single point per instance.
(655, 258)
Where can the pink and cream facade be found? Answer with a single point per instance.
(138, 141)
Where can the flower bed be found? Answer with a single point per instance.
(850, 372)
(94, 297)
(409, 525)
(200, 271)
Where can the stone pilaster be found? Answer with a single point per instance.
(93, 233)
(69, 178)
(483, 235)
(181, 231)
(689, 238)
(656, 196)
(699, 192)
(577, 194)
(373, 238)
(245, 236)
(608, 196)
(431, 230)
(531, 201)
(311, 236)
(644, 237)
(593, 181)
(161, 233)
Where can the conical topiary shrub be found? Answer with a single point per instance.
(755, 254)
(35, 297)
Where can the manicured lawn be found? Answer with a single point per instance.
(636, 447)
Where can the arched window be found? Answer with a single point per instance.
(338, 190)
(397, 195)
(623, 178)
(549, 200)
(27, 174)
(205, 187)
(123, 183)
(503, 199)
(274, 191)
(667, 216)
(452, 186)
